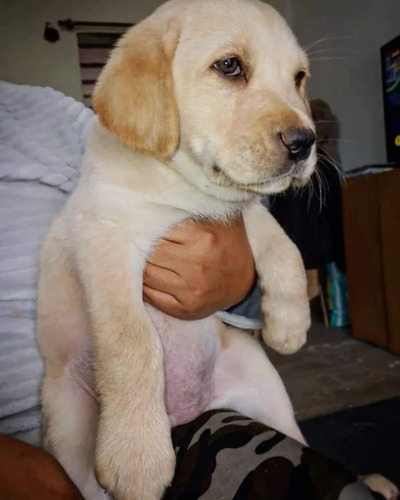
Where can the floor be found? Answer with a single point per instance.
(365, 439)
(335, 371)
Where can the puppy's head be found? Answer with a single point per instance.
(217, 89)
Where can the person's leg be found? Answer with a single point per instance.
(224, 455)
(246, 381)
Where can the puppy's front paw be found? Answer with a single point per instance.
(138, 465)
(285, 323)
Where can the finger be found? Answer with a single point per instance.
(162, 301)
(162, 280)
(185, 231)
(167, 255)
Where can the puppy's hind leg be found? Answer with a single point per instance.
(246, 381)
(70, 412)
(71, 416)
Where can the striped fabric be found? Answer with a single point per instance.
(42, 138)
(94, 49)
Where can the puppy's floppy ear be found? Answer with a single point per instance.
(134, 96)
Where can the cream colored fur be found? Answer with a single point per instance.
(175, 140)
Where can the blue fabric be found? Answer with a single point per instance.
(247, 314)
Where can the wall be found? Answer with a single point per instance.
(25, 57)
(346, 67)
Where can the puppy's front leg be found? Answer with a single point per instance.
(280, 269)
(134, 454)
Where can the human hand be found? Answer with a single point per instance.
(198, 268)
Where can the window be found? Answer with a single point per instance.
(94, 49)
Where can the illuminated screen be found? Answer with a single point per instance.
(390, 58)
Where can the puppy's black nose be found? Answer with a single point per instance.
(298, 142)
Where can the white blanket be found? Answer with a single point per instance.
(42, 138)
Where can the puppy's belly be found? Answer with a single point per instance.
(190, 350)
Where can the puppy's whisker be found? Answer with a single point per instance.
(331, 161)
(298, 191)
(327, 38)
(318, 176)
(314, 192)
(328, 58)
(325, 121)
(326, 51)
(310, 192)
(351, 141)
(309, 46)
(324, 184)
(324, 181)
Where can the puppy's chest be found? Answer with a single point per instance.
(190, 350)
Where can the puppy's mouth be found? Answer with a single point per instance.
(265, 184)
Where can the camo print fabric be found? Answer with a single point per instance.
(223, 455)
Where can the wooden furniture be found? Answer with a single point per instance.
(371, 219)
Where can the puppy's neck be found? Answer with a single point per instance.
(180, 183)
(196, 175)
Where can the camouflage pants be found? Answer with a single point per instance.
(223, 455)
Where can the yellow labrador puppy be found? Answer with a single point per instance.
(201, 109)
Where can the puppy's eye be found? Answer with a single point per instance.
(229, 67)
(299, 78)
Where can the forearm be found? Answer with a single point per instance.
(29, 472)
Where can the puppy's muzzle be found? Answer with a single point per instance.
(297, 142)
